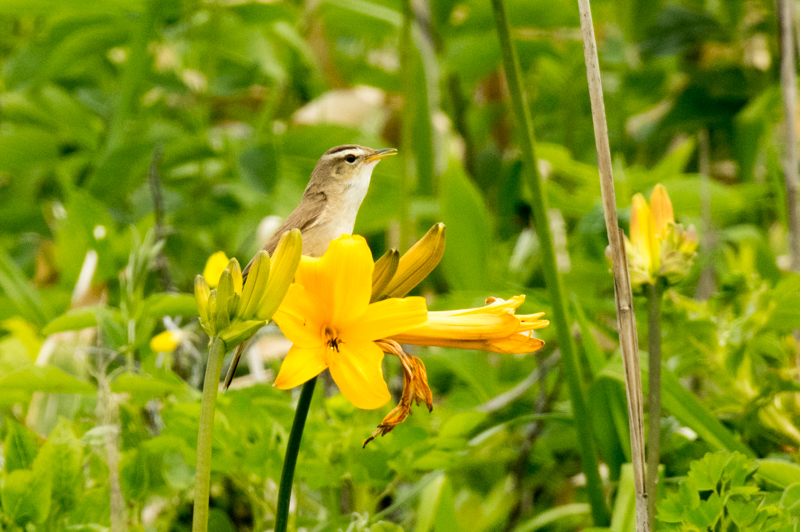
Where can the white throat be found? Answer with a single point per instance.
(352, 196)
(356, 190)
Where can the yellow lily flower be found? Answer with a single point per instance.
(658, 247)
(328, 316)
(494, 327)
(215, 265)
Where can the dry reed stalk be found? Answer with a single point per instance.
(626, 318)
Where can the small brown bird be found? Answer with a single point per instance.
(329, 206)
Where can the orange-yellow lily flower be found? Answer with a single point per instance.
(658, 247)
(329, 319)
(494, 327)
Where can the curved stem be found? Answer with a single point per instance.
(290, 461)
(216, 353)
(569, 358)
(654, 293)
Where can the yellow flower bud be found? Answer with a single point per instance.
(658, 247)
(282, 269)
(416, 263)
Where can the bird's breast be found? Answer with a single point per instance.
(333, 223)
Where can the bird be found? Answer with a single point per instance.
(328, 208)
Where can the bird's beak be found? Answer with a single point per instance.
(381, 154)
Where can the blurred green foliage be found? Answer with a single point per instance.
(137, 137)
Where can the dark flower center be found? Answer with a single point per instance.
(332, 338)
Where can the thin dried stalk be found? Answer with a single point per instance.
(626, 319)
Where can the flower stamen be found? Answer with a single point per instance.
(333, 339)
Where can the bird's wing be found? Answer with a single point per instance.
(304, 217)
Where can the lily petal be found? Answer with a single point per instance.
(300, 365)
(357, 371)
(640, 226)
(341, 280)
(518, 343)
(388, 317)
(493, 305)
(466, 327)
(300, 317)
(661, 207)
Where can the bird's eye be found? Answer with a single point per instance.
(350, 158)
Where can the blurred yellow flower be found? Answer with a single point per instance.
(658, 247)
(328, 316)
(215, 265)
(494, 327)
(167, 341)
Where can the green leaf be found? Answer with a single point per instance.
(26, 496)
(609, 419)
(553, 515)
(742, 512)
(61, 457)
(466, 257)
(134, 475)
(371, 10)
(623, 513)
(74, 320)
(19, 290)
(47, 7)
(218, 520)
(437, 507)
(145, 387)
(670, 510)
(20, 447)
(159, 305)
(24, 147)
(461, 425)
(385, 526)
(707, 473)
(684, 406)
(790, 500)
(44, 379)
(707, 512)
(778, 472)
(595, 356)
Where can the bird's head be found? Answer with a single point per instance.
(347, 169)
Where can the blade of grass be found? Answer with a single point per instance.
(626, 318)
(594, 486)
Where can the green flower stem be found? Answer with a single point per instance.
(216, 354)
(290, 460)
(583, 423)
(407, 129)
(654, 296)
